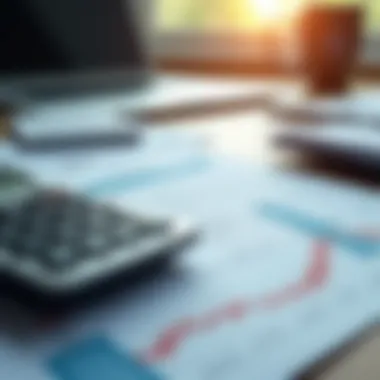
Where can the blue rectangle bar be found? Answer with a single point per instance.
(318, 228)
(97, 359)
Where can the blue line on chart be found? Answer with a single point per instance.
(316, 227)
(147, 177)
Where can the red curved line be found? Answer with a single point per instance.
(314, 278)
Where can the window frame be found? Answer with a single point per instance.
(231, 47)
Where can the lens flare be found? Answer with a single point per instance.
(266, 9)
(274, 11)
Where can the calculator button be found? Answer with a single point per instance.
(66, 233)
(54, 196)
(152, 230)
(29, 208)
(59, 257)
(25, 226)
(18, 247)
(135, 236)
(116, 219)
(122, 231)
(3, 219)
(97, 217)
(8, 233)
(95, 245)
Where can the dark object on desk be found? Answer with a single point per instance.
(58, 248)
(330, 38)
(356, 146)
(356, 359)
(70, 47)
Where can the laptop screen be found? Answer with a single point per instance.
(40, 36)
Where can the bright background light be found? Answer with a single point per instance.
(243, 15)
(266, 10)
(275, 10)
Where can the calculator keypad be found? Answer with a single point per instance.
(59, 231)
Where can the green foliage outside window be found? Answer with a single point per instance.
(235, 14)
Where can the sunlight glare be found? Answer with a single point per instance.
(268, 11)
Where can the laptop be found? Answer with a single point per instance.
(67, 47)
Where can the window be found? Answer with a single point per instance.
(243, 14)
(373, 16)
(223, 14)
(205, 27)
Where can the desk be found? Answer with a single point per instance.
(247, 135)
(260, 288)
(198, 102)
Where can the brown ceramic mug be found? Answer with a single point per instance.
(330, 39)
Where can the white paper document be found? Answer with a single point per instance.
(285, 268)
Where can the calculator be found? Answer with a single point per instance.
(57, 243)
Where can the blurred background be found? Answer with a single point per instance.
(248, 166)
(263, 31)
